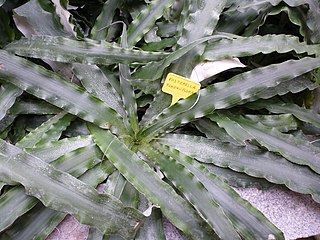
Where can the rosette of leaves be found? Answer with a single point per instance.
(81, 104)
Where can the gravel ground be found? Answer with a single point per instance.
(297, 215)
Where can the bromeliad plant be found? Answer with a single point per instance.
(81, 104)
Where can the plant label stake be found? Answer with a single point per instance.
(179, 87)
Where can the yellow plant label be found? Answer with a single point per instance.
(179, 87)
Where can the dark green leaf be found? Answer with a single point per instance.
(63, 192)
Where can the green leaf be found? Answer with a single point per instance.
(62, 49)
(2, 2)
(119, 187)
(52, 88)
(167, 29)
(248, 159)
(201, 22)
(311, 17)
(128, 95)
(29, 106)
(247, 46)
(112, 78)
(146, 181)
(79, 161)
(8, 96)
(237, 179)
(160, 102)
(55, 149)
(100, 29)
(65, 17)
(233, 129)
(296, 16)
(291, 147)
(146, 19)
(189, 184)
(61, 191)
(94, 234)
(44, 20)
(152, 229)
(97, 84)
(154, 70)
(161, 45)
(14, 203)
(176, 28)
(227, 94)
(6, 121)
(249, 222)
(116, 183)
(50, 130)
(301, 83)
(39, 215)
(237, 17)
(312, 20)
(129, 195)
(301, 113)
(281, 122)
(213, 131)
(242, 13)
(40, 221)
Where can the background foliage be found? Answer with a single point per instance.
(81, 104)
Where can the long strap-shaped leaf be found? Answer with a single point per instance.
(301, 113)
(293, 148)
(201, 23)
(301, 83)
(241, 47)
(152, 228)
(194, 191)
(237, 17)
(248, 159)
(146, 19)
(146, 181)
(8, 95)
(75, 163)
(36, 107)
(100, 29)
(2, 2)
(128, 95)
(53, 150)
(312, 17)
(227, 94)
(40, 221)
(242, 13)
(52, 88)
(212, 131)
(119, 187)
(63, 192)
(154, 70)
(43, 23)
(97, 84)
(281, 122)
(202, 20)
(62, 49)
(237, 179)
(48, 131)
(249, 222)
